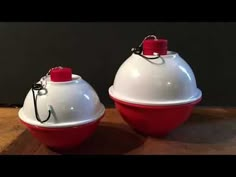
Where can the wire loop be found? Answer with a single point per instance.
(138, 50)
(38, 87)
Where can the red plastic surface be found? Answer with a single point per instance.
(63, 138)
(151, 46)
(156, 121)
(61, 74)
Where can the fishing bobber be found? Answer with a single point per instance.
(61, 110)
(155, 89)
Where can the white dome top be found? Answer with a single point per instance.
(71, 103)
(168, 80)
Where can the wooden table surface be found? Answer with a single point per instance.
(208, 131)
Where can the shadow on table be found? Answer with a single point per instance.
(109, 139)
(206, 129)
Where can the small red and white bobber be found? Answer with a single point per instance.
(61, 110)
(155, 89)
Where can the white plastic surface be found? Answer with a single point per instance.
(166, 81)
(72, 103)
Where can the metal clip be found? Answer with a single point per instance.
(39, 87)
(43, 80)
(138, 50)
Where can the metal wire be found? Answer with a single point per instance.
(138, 50)
(38, 87)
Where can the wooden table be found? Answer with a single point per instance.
(208, 131)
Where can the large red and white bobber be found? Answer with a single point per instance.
(61, 110)
(155, 89)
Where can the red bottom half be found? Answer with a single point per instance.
(155, 121)
(63, 138)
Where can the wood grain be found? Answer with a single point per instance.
(208, 131)
(10, 128)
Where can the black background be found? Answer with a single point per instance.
(95, 50)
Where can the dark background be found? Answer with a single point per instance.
(96, 50)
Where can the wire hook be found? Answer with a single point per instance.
(38, 87)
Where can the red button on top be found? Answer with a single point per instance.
(151, 46)
(61, 74)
